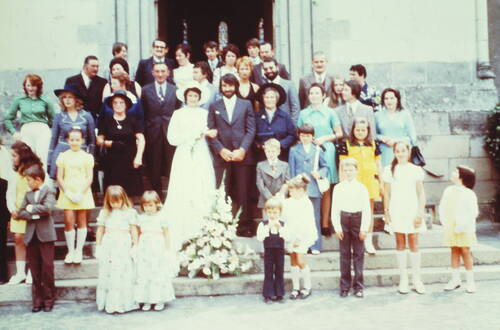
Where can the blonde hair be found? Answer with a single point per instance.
(115, 194)
(78, 101)
(348, 162)
(151, 196)
(272, 203)
(299, 181)
(272, 143)
(245, 60)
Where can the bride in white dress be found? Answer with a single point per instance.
(192, 179)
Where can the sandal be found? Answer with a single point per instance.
(295, 294)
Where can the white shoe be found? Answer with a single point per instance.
(369, 248)
(146, 307)
(29, 278)
(69, 258)
(452, 285)
(403, 284)
(470, 287)
(77, 257)
(315, 252)
(419, 287)
(17, 279)
(159, 307)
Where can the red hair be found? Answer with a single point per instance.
(36, 81)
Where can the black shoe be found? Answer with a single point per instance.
(359, 294)
(268, 300)
(48, 308)
(344, 293)
(36, 309)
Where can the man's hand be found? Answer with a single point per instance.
(226, 154)
(238, 155)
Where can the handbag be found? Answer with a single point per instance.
(323, 183)
(416, 156)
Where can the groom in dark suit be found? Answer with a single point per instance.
(89, 85)
(159, 102)
(233, 118)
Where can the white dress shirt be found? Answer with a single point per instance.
(86, 80)
(351, 196)
(29, 207)
(230, 103)
(158, 59)
(213, 64)
(270, 114)
(353, 107)
(163, 87)
(320, 78)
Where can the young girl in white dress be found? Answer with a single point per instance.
(155, 268)
(298, 214)
(116, 239)
(458, 211)
(404, 207)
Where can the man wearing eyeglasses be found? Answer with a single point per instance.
(159, 49)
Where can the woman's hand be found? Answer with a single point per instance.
(390, 142)
(17, 136)
(211, 133)
(319, 141)
(362, 235)
(137, 162)
(316, 175)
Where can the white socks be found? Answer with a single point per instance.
(471, 285)
(295, 272)
(455, 281)
(306, 277)
(415, 258)
(369, 248)
(70, 241)
(20, 267)
(403, 271)
(81, 236)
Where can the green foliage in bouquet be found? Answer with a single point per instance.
(492, 146)
(214, 253)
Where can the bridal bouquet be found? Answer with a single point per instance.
(214, 251)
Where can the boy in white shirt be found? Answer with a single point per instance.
(351, 216)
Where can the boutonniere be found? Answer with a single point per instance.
(217, 112)
(263, 116)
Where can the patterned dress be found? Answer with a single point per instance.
(115, 286)
(156, 265)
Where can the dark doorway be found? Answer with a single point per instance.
(203, 18)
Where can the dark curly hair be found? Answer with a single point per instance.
(27, 157)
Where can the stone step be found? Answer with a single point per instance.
(328, 261)
(381, 241)
(84, 289)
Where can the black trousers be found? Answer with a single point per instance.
(40, 257)
(4, 218)
(274, 268)
(238, 183)
(352, 250)
(159, 154)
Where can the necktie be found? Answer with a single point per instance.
(162, 95)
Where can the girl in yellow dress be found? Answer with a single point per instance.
(458, 211)
(22, 158)
(74, 177)
(365, 150)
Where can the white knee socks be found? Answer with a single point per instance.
(403, 271)
(295, 273)
(20, 267)
(306, 277)
(415, 265)
(70, 241)
(81, 236)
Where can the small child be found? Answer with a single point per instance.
(74, 177)
(39, 238)
(351, 218)
(272, 173)
(404, 206)
(155, 268)
(305, 157)
(458, 211)
(273, 233)
(116, 239)
(298, 214)
(366, 152)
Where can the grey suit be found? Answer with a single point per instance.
(269, 180)
(306, 82)
(291, 105)
(347, 119)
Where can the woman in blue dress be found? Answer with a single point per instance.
(393, 123)
(327, 130)
(72, 115)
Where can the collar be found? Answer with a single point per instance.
(86, 78)
(360, 144)
(158, 59)
(277, 80)
(321, 75)
(157, 84)
(230, 100)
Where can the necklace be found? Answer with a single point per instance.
(118, 125)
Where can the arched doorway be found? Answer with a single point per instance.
(203, 17)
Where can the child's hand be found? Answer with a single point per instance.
(362, 235)
(418, 221)
(340, 235)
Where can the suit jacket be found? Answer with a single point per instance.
(92, 97)
(157, 113)
(239, 133)
(291, 105)
(260, 79)
(306, 82)
(301, 161)
(346, 119)
(39, 220)
(281, 128)
(211, 75)
(143, 74)
(214, 95)
(270, 182)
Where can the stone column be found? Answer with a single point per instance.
(484, 69)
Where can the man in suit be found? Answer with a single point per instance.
(253, 50)
(369, 95)
(144, 71)
(319, 75)
(258, 74)
(201, 71)
(89, 85)
(353, 108)
(39, 238)
(291, 105)
(234, 120)
(213, 60)
(159, 102)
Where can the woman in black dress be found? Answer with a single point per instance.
(123, 140)
(247, 89)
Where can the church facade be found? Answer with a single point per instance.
(436, 52)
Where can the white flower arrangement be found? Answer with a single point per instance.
(214, 251)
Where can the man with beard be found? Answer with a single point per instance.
(291, 105)
(233, 118)
(266, 52)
